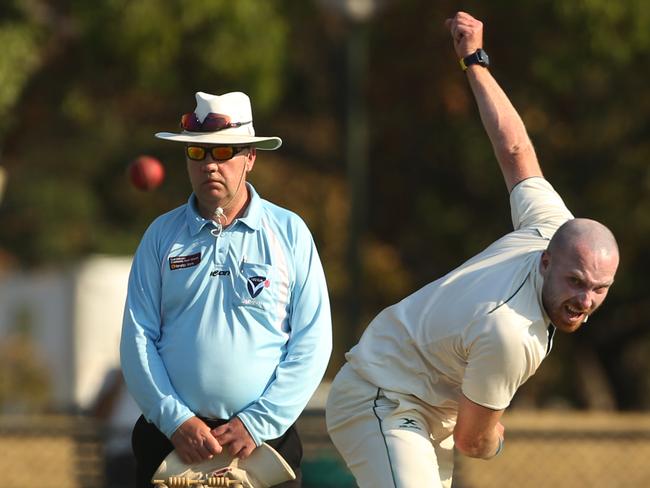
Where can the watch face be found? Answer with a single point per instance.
(483, 58)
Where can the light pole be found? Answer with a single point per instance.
(357, 13)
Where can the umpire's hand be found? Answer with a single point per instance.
(194, 442)
(235, 436)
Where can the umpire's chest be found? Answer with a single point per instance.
(235, 269)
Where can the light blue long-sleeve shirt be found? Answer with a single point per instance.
(237, 324)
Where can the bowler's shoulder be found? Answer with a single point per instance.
(538, 182)
(535, 204)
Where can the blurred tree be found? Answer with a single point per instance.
(21, 35)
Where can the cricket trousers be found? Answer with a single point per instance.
(151, 447)
(387, 439)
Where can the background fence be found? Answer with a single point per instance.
(576, 450)
(53, 451)
(542, 450)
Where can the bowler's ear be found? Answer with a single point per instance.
(545, 262)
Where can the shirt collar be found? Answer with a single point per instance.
(251, 218)
(253, 214)
(538, 281)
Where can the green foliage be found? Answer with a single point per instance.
(19, 38)
(170, 46)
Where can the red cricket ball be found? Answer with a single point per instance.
(146, 173)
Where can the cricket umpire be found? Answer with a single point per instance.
(227, 327)
(437, 369)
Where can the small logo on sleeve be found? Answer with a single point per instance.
(182, 262)
(256, 284)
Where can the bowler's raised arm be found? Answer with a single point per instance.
(506, 130)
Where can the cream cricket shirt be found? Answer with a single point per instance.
(481, 329)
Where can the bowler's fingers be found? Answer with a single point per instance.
(465, 29)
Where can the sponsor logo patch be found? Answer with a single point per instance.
(256, 284)
(182, 262)
(408, 424)
(220, 272)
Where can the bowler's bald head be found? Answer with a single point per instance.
(584, 235)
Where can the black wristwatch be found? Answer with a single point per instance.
(480, 57)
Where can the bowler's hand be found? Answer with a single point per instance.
(501, 432)
(467, 33)
(194, 442)
(500, 429)
(235, 435)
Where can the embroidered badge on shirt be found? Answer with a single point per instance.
(181, 262)
(256, 284)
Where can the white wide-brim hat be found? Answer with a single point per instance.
(234, 110)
